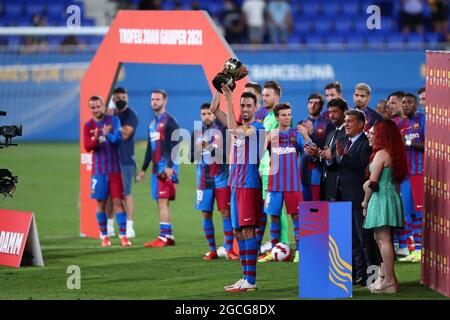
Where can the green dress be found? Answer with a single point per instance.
(385, 205)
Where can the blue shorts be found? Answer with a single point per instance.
(128, 173)
(205, 199)
(105, 185)
(274, 202)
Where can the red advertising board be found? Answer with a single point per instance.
(18, 232)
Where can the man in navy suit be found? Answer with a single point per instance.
(352, 158)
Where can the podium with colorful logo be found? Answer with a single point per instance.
(325, 249)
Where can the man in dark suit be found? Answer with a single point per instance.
(352, 158)
(336, 110)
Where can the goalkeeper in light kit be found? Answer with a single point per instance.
(102, 134)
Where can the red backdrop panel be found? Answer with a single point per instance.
(436, 233)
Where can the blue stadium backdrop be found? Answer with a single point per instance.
(41, 91)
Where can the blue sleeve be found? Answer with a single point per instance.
(148, 153)
(300, 143)
(422, 128)
(116, 135)
(168, 146)
(131, 121)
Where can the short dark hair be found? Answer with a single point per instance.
(120, 90)
(96, 98)
(317, 95)
(338, 102)
(281, 106)
(254, 85)
(421, 90)
(360, 116)
(205, 105)
(161, 91)
(334, 85)
(273, 85)
(398, 94)
(412, 95)
(249, 95)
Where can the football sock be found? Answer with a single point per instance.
(208, 229)
(121, 218)
(251, 246)
(165, 230)
(274, 233)
(260, 230)
(243, 256)
(296, 230)
(228, 234)
(102, 220)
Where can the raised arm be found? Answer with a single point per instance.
(233, 126)
(215, 103)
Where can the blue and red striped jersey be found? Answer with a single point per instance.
(414, 130)
(211, 175)
(106, 148)
(244, 158)
(160, 144)
(261, 114)
(284, 173)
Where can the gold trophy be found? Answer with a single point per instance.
(232, 71)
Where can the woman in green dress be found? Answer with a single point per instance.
(382, 204)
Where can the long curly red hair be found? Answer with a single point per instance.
(387, 136)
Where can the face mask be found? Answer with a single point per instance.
(121, 104)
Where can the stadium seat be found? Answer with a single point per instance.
(343, 25)
(361, 26)
(56, 9)
(35, 8)
(303, 27)
(314, 41)
(331, 9)
(56, 21)
(415, 40)
(355, 41)
(388, 25)
(14, 41)
(395, 41)
(351, 8)
(13, 9)
(433, 40)
(335, 41)
(375, 40)
(88, 22)
(323, 26)
(311, 9)
(294, 38)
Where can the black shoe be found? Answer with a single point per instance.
(359, 281)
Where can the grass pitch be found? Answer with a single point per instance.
(49, 186)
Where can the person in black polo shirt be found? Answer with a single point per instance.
(129, 121)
